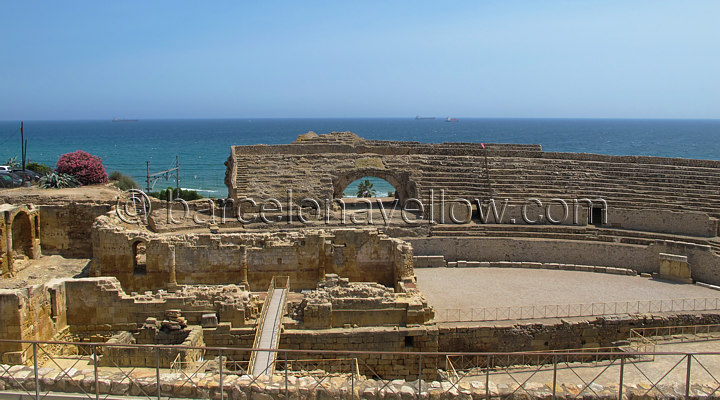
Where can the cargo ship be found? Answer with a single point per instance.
(123, 120)
(448, 119)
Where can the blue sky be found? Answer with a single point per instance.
(178, 59)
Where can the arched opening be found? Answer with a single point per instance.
(22, 235)
(383, 182)
(370, 187)
(139, 258)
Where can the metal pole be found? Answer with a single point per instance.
(687, 378)
(22, 145)
(95, 367)
(487, 379)
(177, 174)
(555, 377)
(157, 370)
(147, 176)
(622, 376)
(35, 368)
(222, 389)
(419, 376)
(287, 391)
(352, 380)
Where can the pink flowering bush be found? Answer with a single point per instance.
(87, 168)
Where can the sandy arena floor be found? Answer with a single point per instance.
(467, 288)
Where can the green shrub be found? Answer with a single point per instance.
(122, 181)
(186, 195)
(40, 168)
(58, 181)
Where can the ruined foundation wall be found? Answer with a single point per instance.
(360, 255)
(401, 339)
(571, 333)
(65, 229)
(30, 313)
(100, 304)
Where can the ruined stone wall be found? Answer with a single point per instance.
(705, 263)
(19, 236)
(30, 313)
(198, 258)
(401, 339)
(101, 304)
(338, 303)
(666, 221)
(570, 333)
(65, 229)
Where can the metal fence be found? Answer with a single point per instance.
(575, 310)
(221, 373)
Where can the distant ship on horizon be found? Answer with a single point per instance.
(116, 119)
(419, 117)
(448, 119)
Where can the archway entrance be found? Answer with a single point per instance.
(22, 239)
(398, 182)
(370, 187)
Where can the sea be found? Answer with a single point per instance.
(203, 145)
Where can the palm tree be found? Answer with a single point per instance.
(365, 189)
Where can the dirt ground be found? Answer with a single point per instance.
(34, 194)
(34, 272)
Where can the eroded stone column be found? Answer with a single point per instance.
(244, 268)
(172, 285)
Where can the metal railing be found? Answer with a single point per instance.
(356, 374)
(680, 333)
(575, 310)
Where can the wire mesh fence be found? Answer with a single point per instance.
(91, 370)
(575, 310)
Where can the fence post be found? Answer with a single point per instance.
(222, 388)
(352, 380)
(419, 376)
(35, 368)
(555, 377)
(622, 374)
(95, 367)
(287, 390)
(687, 378)
(487, 378)
(157, 370)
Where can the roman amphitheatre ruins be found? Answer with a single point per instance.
(495, 271)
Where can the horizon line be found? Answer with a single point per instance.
(351, 118)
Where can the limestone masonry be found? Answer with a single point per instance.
(74, 271)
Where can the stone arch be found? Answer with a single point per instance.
(399, 180)
(22, 234)
(139, 257)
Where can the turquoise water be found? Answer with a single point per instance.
(204, 145)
